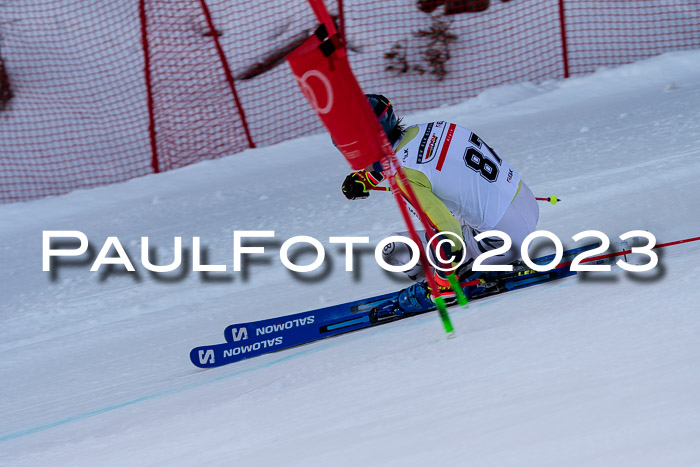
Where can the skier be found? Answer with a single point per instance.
(463, 186)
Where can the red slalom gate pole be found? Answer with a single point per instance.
(323, 16)
(390, 166)
(323, 73)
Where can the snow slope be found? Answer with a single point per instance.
(591, 370)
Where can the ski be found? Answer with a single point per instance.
(252, 339)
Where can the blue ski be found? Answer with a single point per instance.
(247, 340)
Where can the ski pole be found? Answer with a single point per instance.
(552, 199)
(626, 252)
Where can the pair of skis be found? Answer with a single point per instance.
(252, 339)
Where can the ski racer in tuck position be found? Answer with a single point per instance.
(463, 186)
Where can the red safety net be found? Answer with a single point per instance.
(101, 92)
(77, 112)
(614, 32)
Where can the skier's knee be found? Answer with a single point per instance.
(400, 254)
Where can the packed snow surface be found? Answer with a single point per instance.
(598, 369)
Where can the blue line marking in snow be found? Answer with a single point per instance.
(167, 392)
(345, 324)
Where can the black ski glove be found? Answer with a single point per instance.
(357, 185)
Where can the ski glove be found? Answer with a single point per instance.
(358, 184)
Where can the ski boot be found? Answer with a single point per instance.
(415, 299)
(411, 300)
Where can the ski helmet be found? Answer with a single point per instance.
(384, 112)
